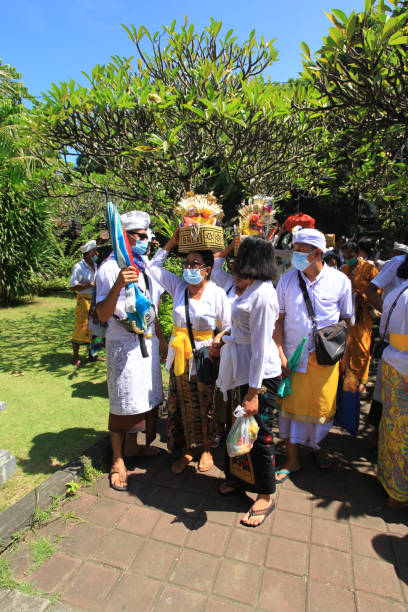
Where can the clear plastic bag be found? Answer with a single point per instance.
(242, 434)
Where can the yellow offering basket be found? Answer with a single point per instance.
(201, 238)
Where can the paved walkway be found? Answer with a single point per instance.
(172, 543)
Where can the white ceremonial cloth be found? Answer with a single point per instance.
(300, 432)
(398, 325)
(387, 279)
(211, 311)
(134, 382)
(83, 273)
(250, 355)
(223, 279)
(330, 294)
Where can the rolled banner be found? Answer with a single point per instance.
(137, 306)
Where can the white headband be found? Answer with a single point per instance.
(309, 236)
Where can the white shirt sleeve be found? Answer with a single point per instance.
(169, 281)
(224, 313)
(220, 277)
(346, 301)
(280, 290)
(105, 279)
(264, 312)
(76, 275)
(388, 272)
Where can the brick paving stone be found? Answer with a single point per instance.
(82, 539)
(294, 502)
(106, 512)
(133, 593)
(371, 520)
(287, 555)
(154, 496)
(225, 510)
(118, 548)
(400, 547)
(218, 605)
(173, 529)
(53, 572)
(79, 504)
(282, 592)
(371, 603)
(402, 573)
(291, 525)
(331, 509)
(19, 561)
(179, 600)
(195, 569)
(186, 503)
(323, 597)
(129, 497)
(376, 577)
(331, 534)
(397, 521)
(90, 587)
(155, 559)
(247, 546)
(165, 478)
(209, 538)
(328, 565)
(371, 543)
(200, 483)
(238, 581)
(138, 520)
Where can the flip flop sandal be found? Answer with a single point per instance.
(265, 512)
(287, 474)
(114, 486)
(323, 464)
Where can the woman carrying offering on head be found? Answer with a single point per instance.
(250, 371)
(190, 401)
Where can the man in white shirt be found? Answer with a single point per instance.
(134, 377)
(306, 415)
(82, 281)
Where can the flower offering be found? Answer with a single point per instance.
(199, 209)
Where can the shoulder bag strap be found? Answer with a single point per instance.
(188, 322)
(390, 313)
(306, 297)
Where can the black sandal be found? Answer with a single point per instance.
(264, 512)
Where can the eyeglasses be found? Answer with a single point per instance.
(193, 265)
(139, 235)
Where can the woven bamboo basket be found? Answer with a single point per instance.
(201, 238)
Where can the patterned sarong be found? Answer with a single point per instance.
(393, 434)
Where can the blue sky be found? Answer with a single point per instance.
(54, 40)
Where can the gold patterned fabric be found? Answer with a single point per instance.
(190, 412)
(393, 434)
(81, 333)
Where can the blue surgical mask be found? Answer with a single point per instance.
(192, 277)
(94, 258)
(299, 260)
(140, 247)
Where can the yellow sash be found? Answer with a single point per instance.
(181, 343)
(399, 341)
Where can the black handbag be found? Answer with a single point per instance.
(382, 344)
(207, 370)
(330, 341)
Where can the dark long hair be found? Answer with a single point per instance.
(255, 260)
(402, 271)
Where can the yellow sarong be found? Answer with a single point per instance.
(313, 397)
(81, 334)
(182, 345)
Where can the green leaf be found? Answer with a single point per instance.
(389, 26)
(305, 50)
(397, 39)
(340, 15)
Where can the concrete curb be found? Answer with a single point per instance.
(19, 516)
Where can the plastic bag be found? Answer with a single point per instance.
(242, 434)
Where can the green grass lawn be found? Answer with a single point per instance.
(54, 411)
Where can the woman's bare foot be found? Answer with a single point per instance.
(118, 476)
(228, 487)
(180, 465)
(206, 462)
(258, 512)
